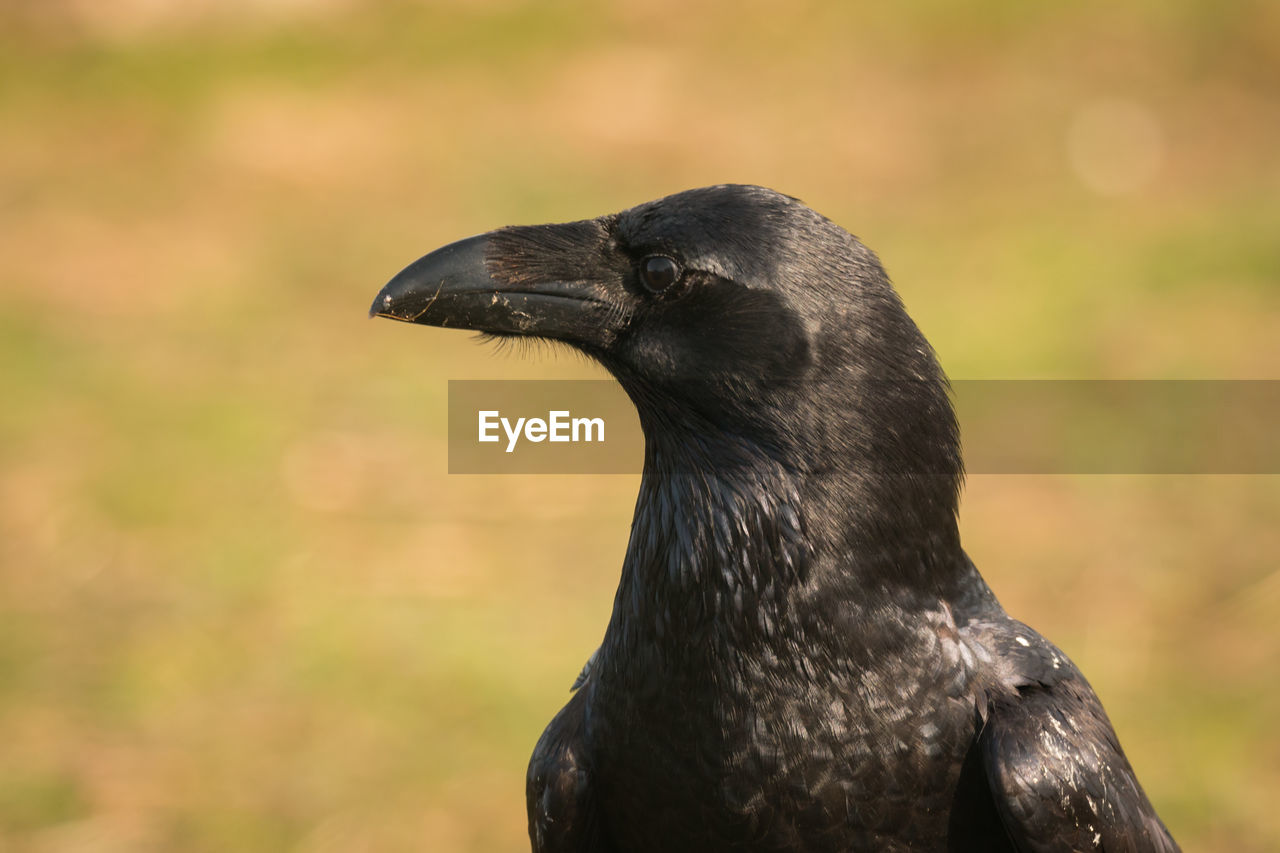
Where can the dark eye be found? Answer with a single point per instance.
(658, 272)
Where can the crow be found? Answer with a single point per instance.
(800, 656)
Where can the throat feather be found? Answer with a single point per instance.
(712, 553)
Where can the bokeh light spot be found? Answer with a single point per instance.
(1115, 146)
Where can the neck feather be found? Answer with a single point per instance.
(730, 547)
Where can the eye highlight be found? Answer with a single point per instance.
(658, 273)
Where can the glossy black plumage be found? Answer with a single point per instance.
(800, 655)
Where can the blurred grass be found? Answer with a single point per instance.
(242, 606)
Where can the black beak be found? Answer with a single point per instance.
(541, 281)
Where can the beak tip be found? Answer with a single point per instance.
(381, 304)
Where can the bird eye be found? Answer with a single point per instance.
(658, 272)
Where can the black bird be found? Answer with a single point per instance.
(800, 655)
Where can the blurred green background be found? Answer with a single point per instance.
(242, 605)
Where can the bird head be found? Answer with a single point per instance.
(731, 309)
